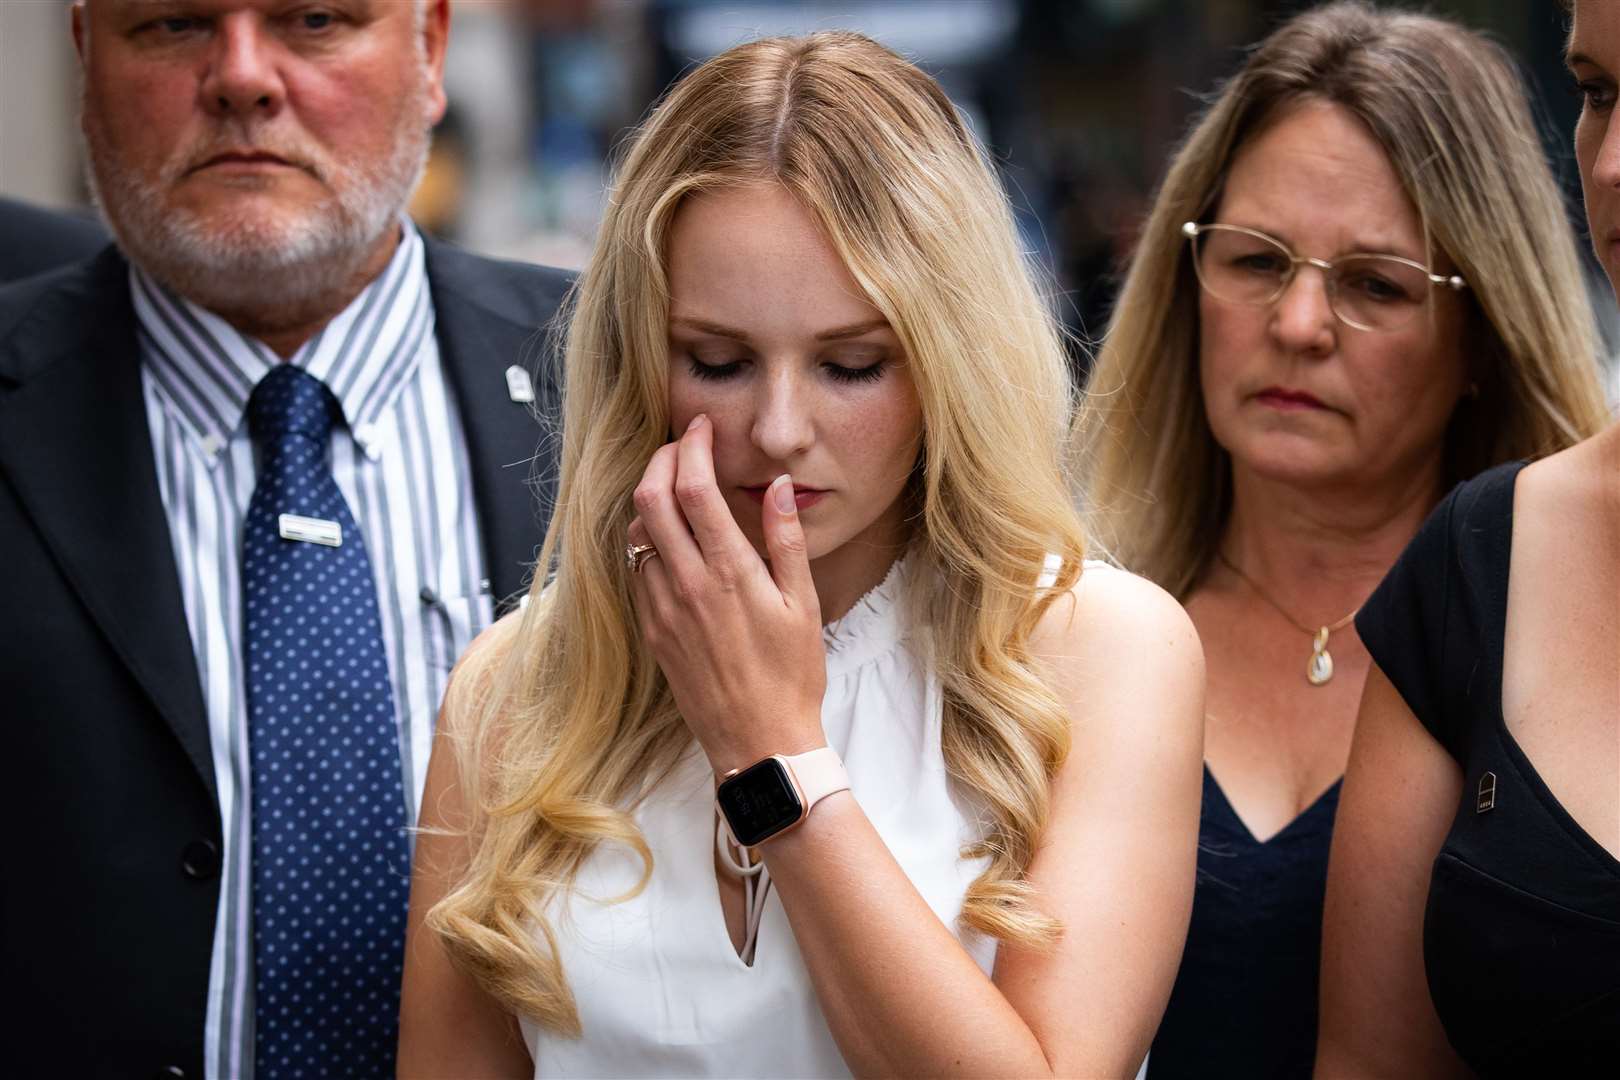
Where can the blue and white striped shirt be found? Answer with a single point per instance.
(400, 460)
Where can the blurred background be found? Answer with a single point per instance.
(1079, 100)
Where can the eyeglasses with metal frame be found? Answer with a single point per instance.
(1367, 291)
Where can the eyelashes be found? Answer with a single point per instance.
(712, 372)
(870, 373)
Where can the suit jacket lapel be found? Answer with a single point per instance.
(75, 444)
(512, 459)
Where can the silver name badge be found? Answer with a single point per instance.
(518, 386)
(311, 530)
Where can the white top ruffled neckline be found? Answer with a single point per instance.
(659, 986)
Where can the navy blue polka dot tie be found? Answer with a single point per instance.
(331, 863)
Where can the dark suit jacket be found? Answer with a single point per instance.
(34, 240)
(113, 834)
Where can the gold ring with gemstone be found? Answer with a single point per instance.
(637, 554)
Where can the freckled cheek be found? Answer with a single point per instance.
(688, 398)
(878, 444)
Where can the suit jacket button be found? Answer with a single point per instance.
(200, 859)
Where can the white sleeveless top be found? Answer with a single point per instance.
(660, 989)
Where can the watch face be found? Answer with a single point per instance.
(759, 802)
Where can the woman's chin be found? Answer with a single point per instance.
(1297, 465)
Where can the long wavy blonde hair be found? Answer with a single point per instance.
(572, 721)
(1449, 110)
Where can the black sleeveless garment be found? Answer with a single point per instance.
(1521, 936)
(1244, 1003)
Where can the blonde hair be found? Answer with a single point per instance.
(572, 720)
(1448, 108)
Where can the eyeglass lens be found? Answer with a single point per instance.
(1371, 292)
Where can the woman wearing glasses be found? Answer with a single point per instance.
(1357, 287)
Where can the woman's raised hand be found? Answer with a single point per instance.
(738, 641)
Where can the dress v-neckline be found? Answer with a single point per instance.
(1211, 784)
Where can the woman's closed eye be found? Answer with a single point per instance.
(714, 365)
(858, 368)
(864, 367)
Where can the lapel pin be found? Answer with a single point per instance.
(518, 386)
(1486, 799)
(311, 530)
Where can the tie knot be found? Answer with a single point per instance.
(290, 400)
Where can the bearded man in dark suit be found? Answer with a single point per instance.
(263, 474)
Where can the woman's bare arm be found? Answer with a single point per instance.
(1116, 866)
(448, 1026)
(1400, 796)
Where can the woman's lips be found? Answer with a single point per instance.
(803, 497)
(1279, 397)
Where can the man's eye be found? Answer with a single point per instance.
(175, 24)
(311, 21)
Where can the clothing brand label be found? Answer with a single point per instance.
(1486, 799)
(310, 530)
(518, 386)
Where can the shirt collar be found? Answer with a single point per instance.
(366, 354)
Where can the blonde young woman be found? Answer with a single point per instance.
(1473, 905)
(812, 507)
(1356, 288)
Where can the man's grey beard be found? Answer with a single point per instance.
(242, 262)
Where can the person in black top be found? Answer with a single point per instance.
(1320, 334)
(1473, 909)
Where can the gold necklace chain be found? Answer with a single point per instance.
(1320, 667)
(1262, 594)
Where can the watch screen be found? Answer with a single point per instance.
(759, 802)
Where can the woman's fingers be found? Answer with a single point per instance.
(784, 540)
(651, 592)
(698, 494)
(661, 517)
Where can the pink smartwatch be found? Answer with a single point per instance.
(776, 793)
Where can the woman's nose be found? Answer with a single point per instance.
(783, 422)
(1606, 169)
(1303, 318)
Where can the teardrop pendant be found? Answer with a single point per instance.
(1320, 668)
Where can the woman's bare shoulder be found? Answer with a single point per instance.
(1574, 479)
(1108, 607)
(474, 674)
(1115, 638)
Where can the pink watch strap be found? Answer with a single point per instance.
(818, 773)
